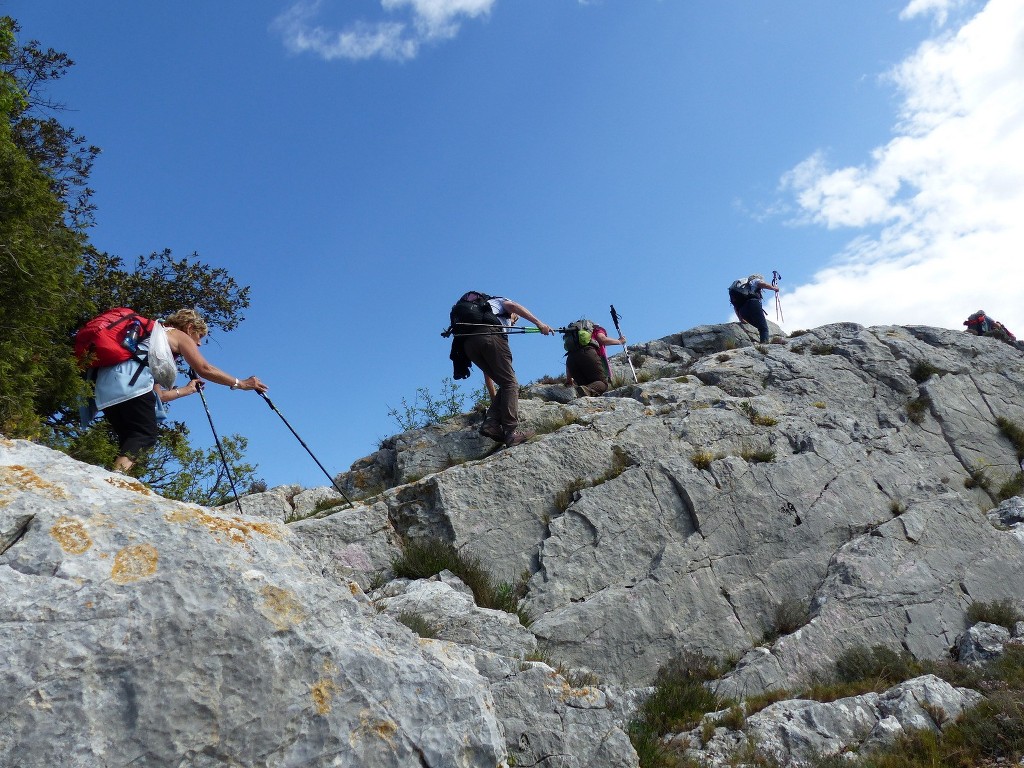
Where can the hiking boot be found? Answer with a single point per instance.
(582, 391)
(493, 431)
(517, 438)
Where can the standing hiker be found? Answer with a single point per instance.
(745, 297)
(586, 360)
(480, 324)
(127, 393)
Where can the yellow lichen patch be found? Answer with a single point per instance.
(128, 484)
(133, 563)
(236, 529)
(70, 533)
(322, 692)
(370, 724)
(281, 607)
(20, 478)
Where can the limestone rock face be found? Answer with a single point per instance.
(144, 631)
(837, 471)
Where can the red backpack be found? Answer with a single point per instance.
(111, 338)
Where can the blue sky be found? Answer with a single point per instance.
(361, 163)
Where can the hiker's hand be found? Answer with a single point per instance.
(193, 386)
(622, 340)
(544, 328)
(252, 383)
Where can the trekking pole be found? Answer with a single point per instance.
(625, 351)
(776, 277)
(303, 443)
(504, 331)
(199, 388)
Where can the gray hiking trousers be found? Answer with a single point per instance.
(492, 355)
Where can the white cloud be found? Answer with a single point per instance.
(941, 203)
(427, 21)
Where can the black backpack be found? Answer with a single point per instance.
(470, 312)
(740, 292)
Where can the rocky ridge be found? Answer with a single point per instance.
(828, 471)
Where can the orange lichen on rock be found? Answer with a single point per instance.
(128, 484)
(281, 607)
(323, 692)
(70, 533)
(236, 529)
(133, 563)
(19, 478)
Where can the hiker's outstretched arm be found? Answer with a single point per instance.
(182, 344)
(604, 341)
(519, 309)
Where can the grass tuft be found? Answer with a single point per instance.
(423, 559)
(1003, 612)
(917, 409)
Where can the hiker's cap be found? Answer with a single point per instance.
(754, 277)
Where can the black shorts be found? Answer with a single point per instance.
(134, 421)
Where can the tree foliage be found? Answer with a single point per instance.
(52, 280)
(41, 294)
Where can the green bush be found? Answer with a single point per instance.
(923, 370)
(679, 700)
(1014, 433)
(1002, 612)
(879, 666)
(425, 558)
(918, 409)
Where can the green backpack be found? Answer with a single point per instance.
(578, 334)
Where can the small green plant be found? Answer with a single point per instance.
(788, 615)
(762, 348)
(620, 463)
(421, 559)
(1012, 486)
(923, 370)
(734, 718)
(823, 349)
(756, 418)
(977, 477)
(819, 404)
(918, 408)
(757, 455)
(426, 409)
(418, 624)
(801, 332)
(723, 358)
(644, 376)
(897, 507)
(683, 379)
(1014, 433)
(1002, 612)
(878, 666)
(555, 423)
(702, 459)
(638, 359)
(679, 700)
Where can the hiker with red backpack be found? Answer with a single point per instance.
(586, 360)
(981, 325)
(480, 325)
(132, 360)
(745, 297)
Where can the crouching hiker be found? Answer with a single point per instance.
(480, 324)
(586, 360)
(981, 325)
(127, 393)
(745, 297)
